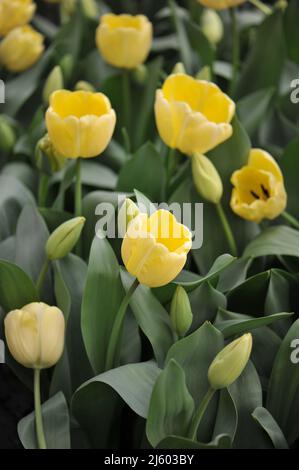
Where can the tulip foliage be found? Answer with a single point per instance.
(144, 330)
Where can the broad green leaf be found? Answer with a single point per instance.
(151, 317)
(265, 346)
(144, 202)
(8, 249)
(283, 396)
(16, 287)
(144, 171)
(133, 383)
(278, 298)
(290, 168)
(171, 406)
(98, 176)
(201, 44)
(263, 67)
(279, 241)
(222, 441)
(291, 29)
(252, 109)
(56, 425)
(268, 423)
(101, 300)
(230, 323)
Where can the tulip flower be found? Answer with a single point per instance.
(259, 191)
(21, 48)
(230, 362)
(180, 312)
(124, 41)
(192, 115)
(15, 13)
(155, 248)
(206, 178)
(221, 4)
(80, 123)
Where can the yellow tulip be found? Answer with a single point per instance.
(192, 115)
(21, 48)
(259, 191)
(155, 248)
(124, 40)
(15, 13)
(80, 123)
(221, 4)
(35, 335)
(230, 362)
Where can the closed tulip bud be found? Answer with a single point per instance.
(221, 4)
(54, 82)
(84, 86)
(7, 135)
(35, 335)
(80, 123)
(64, 238)
(47, 159)
(180, 311)
(140, 74)
(204, 74)
(212, 26)
(21, 49)
(155, 248)
(124, 41)
(206, 178)
(90, 9)
(179, 68)
(15, 13)
(230, 362)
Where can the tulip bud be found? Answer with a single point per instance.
(35, 335)
(230, 362)
(180, 312)
(47, 158)
(7, 135)
(212, 26)
(67, 9)
(54, 82)
(206, 178)
(64, 238)
(204, 74)
(84, 86)
(140, 74)
(126, 214)
(179, 68)
(90, 9)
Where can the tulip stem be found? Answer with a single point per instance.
(43, 189)
(235, 51)
(199, 413)
(78, 189)
(41, 440)
(41, 277)
(227, 230)
(115, 337)
(290, 219)
(127, 101)
(261, 6)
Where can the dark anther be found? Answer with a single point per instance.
(254, 194)
(265, 191)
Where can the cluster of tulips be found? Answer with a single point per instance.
(193, 116)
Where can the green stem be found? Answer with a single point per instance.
(38, 412)
(127, 101)
(199, 414)
(115, 337)
(235, 50)
(43, 189)
(78, 189)
(290, 219)
(227, 230)
(41, 278)
(261, 6)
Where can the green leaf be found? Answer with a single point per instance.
(101, 300)
(144, 202)
(252, 109)
(230, 323)
(290, 168)
(234, 275)
(151, 317)
(205, 302)
(98, 176)
(174, 442)
(279, 241)
(171, 406)
(227, 416)
(249, 297)
(16, 287)
(268, 423)
(291, 30)
(133, 383)
(144, 171)
(263, 68)
(195, 354)
(56, 425)
(278, 298)
(283, 392)
(201, 44)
